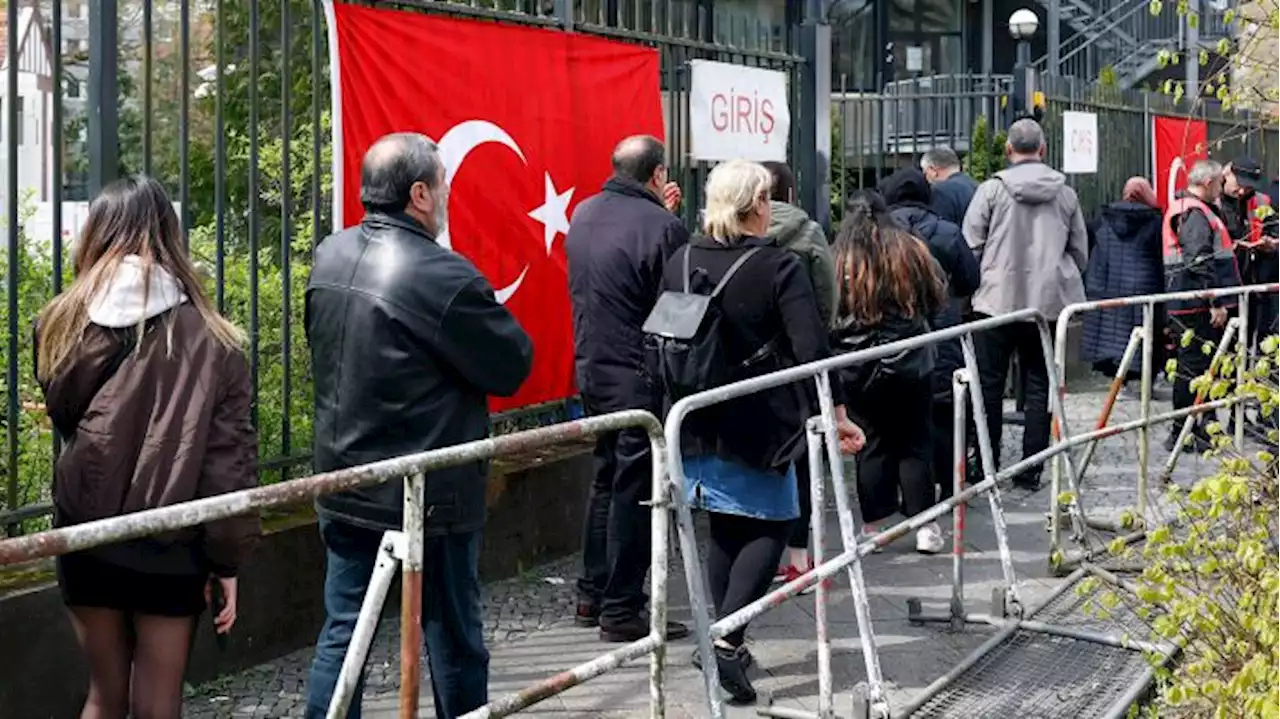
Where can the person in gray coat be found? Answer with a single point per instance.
(791, 228)
(1026, 228)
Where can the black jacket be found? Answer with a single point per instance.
(769, 299)
(908, 193)
(407, 342)
(1125, 260)
(952, 196)
(1257, 264)
(618, 243)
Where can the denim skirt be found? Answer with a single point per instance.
(719, 485)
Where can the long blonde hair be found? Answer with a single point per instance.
(132, 216)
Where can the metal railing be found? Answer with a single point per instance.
(403, 547)
(1143, 337)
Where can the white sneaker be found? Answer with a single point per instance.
(929, 539)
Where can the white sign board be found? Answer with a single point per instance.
(738, 112)
(1079, 142)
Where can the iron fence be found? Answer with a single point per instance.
(226, 103)
(877, 133)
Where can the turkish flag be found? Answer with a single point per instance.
(1177, 143)
(526, 120)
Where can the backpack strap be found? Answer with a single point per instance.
(737, 264)
(687, 251)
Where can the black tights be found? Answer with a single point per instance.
(741, 562)
(136, 662)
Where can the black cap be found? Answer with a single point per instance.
(1249, 174)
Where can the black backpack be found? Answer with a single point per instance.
(685, 328)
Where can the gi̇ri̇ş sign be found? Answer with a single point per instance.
(737, 112)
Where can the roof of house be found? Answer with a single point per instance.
(31, 26)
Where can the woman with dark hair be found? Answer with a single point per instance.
(1124, 259)
(907, 193)
(148, 388)
(889, 286)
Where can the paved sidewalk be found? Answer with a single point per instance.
(531, 633)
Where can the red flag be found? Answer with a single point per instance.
(1177, 143)
(526, 119)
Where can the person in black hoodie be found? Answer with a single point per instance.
(890, 286)
(909, 195)
(1124, 260)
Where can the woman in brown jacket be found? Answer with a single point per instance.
(149, 390)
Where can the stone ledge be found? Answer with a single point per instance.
(535, 504)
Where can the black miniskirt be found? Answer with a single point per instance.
(88, 581)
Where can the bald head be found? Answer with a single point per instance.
(402, 172)
(639, 157)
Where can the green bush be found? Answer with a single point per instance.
(1211, 578)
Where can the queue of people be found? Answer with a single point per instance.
(149, 389)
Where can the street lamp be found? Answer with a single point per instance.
(1023, 24)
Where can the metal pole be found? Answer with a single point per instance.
(411, 595)
(1054, 39)
(849, 540)
(103, 121)
(989, 470)
(1144, 432)
(1227, 335)
(818, 502)
(958, 455)
(697, 586)
(660, 536)
(1242, 367)
(384, 571)
(11, 276)
(1191, 20)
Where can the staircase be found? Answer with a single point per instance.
(1124, 36)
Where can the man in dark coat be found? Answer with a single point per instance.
(908, 195)
(617, 245)
(952, 188)
(407, 343)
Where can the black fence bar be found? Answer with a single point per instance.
(148, 72)
(253, 198)
(220, 161)
(184, 117)
(286, 232)
(11, 276)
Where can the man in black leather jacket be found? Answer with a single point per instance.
(617, 245)
(407, 342)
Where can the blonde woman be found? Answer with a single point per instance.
(149, 390)
(739, 455)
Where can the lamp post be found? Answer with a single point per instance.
(1023, 24)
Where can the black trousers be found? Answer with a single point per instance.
(615, 542)
(741, 561)
(995, 349)
(895, 416)
(1192, 361)
(941, 417)
(799, 536)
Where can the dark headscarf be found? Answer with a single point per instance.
(905, 186)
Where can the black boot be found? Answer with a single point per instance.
(732, 663)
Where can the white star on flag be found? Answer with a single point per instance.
(554, 213)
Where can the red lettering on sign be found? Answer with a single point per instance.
(719, 112)
(767, 123)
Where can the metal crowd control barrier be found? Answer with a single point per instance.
(850, 557)
(1144, 337)
(406, 548)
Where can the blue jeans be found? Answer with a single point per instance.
(451, 619)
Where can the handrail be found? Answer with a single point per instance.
(200, 511)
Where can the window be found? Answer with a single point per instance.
(71, 88)
(853, 46)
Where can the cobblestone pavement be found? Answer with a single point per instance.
(529, 627)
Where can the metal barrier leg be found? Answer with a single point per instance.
(411, 596)
(1171, 463)
(698, 601)
(987, 455)
(958, 455)
(1144, 433)
(1242, 367)
(818, 501)
(660, 538)
(1057, 407)
(384, 571)
(849, 540)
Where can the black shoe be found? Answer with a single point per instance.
(588, 614)
(1029, 481)
(732, 664)
(633, 630)
(748, 658)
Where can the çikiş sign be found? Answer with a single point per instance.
(738, 112)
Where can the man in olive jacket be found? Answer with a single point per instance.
(791, 229)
